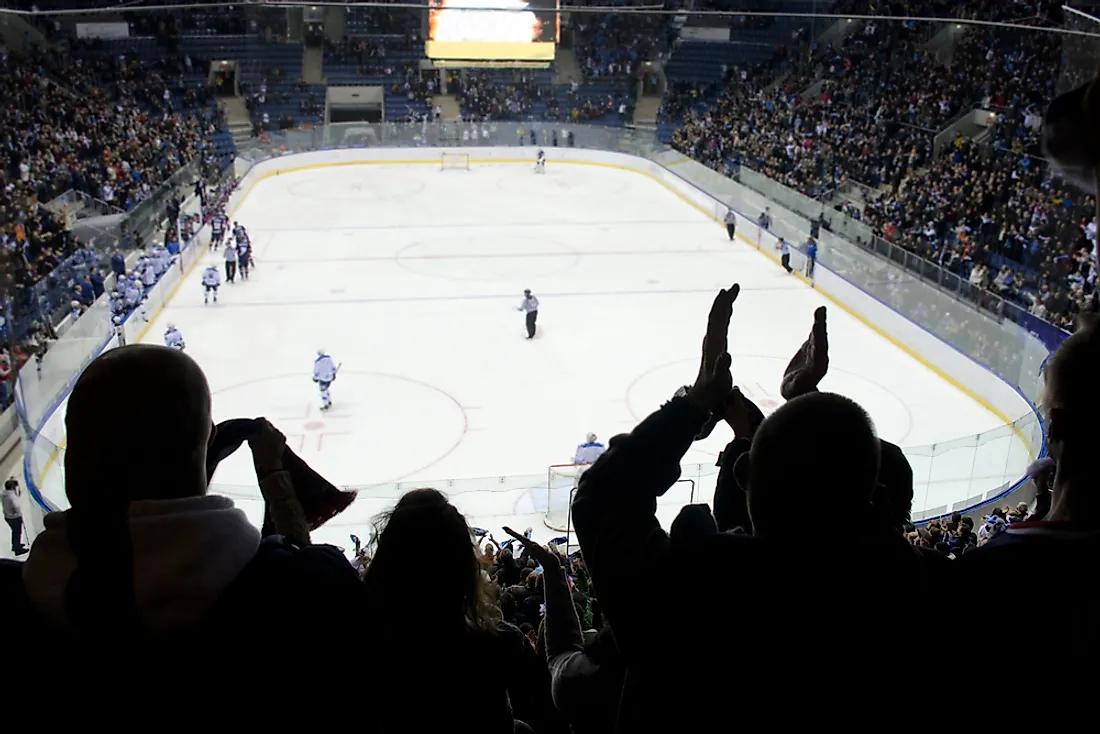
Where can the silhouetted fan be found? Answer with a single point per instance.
(321, 500)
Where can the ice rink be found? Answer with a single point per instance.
(411, 278)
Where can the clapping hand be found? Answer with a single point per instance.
(741, 414)
(714, 381)
(810, 363)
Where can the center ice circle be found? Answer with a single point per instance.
(361, 436)
(759, 376)
(488, 256)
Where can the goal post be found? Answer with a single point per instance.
(454, 162)
(561, 485)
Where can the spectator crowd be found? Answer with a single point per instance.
(625, 631)
(105, 132)
(992, 212)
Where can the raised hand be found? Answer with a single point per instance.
(545, 558)
(810, 363)
(267, 446)
(741, 414)
(714, 382)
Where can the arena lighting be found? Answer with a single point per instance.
(593, 9)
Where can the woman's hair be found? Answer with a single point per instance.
(424, 566)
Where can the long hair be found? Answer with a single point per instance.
(424, 568)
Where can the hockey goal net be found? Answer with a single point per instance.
(455, 162)
(561, 484)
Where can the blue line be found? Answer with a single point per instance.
(486, 297)
(478, 225)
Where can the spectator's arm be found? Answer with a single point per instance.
(730, 506)
(614, 513)
(283, 507)
(570, 668)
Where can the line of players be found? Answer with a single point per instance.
(238, 252)
(238, 256)
(129, 291)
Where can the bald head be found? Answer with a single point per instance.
(138, 422)
(818, 451)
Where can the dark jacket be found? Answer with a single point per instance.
(426, 680)
(97, 284)
(703, 615)
(118, 265)
(1044, 574)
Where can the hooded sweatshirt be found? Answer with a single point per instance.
(186, 553)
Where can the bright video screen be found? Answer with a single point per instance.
(488, 30)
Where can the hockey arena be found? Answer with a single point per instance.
(411, 278)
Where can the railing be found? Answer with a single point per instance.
(97, 207)
(61, 203)
(144, 219)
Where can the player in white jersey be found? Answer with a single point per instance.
(173, 338)
(589, 451)
(586, 455)
(211, 279)
(324, 374)
(540, 163)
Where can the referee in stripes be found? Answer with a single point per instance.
(531, 306)
(731, 223)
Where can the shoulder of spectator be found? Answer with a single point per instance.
(571, 680)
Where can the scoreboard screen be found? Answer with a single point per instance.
(492, 30)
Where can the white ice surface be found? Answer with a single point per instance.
(410, 277)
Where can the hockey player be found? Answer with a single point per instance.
(148, 272)
(160, 260)
(324, 373)
(244, 256)
(173, 338)
(211, 279)
(118, 305)
(586, 455)
(540, 162)
(217, 230)
(530, 304)
(589, 451)
(131, 292)
(230, 262)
